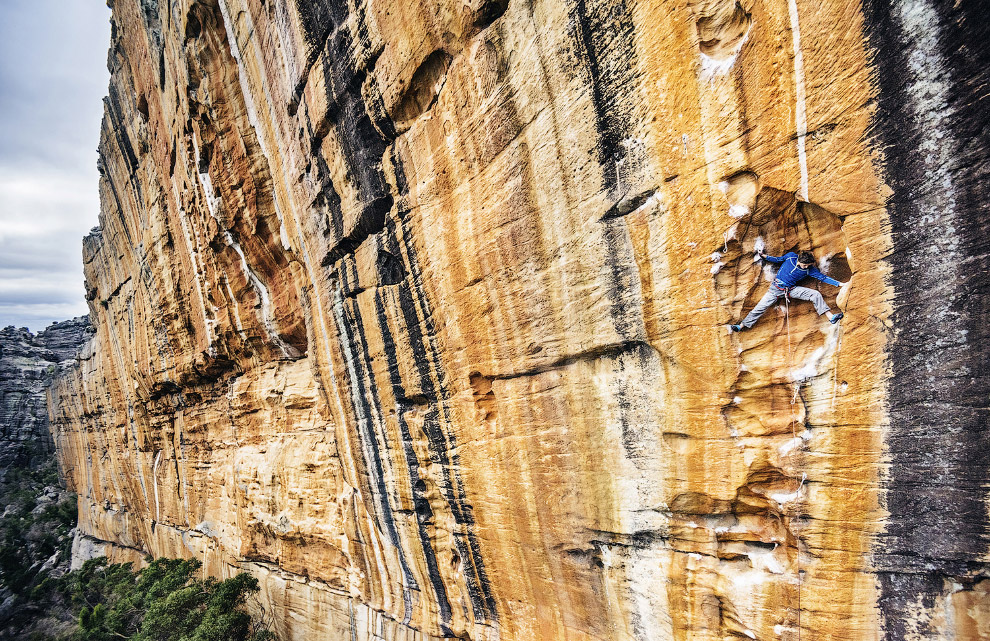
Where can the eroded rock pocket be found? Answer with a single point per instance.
(722, 28)
(423, 89)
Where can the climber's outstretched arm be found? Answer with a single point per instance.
(814, 273)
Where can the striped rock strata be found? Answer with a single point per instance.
(417, 311)
(28, 363)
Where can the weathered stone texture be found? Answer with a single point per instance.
(28, 364)
(933, 120)
(417, 310)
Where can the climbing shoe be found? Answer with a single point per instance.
(835, 319)
(735, 328)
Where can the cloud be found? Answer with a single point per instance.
(38, 317)
(36, 290)
(52, 80)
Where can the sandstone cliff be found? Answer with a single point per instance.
(417, 311)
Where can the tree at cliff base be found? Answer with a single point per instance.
(36, 529)
(164, 601)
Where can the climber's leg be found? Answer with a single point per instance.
(813, 295)
(765, 303)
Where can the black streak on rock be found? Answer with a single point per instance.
(424, 513)
(412, 299)
(368, 414)
(427, 355)
(933, 127)
(364, 134)
(364, 137)
(603, 35)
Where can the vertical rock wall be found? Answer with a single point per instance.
(417, 311)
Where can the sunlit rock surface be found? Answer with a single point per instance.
(417, 311)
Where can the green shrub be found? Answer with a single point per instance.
(161, 602)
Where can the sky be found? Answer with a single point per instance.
(53, 76)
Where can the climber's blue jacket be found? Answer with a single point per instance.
(790, 274)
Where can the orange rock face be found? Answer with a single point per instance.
(418, 311)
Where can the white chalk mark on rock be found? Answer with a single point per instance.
(711, 68)
(738, 211)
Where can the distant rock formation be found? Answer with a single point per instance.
(28, 364)
(417, 310)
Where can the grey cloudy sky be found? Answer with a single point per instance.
(53, 76)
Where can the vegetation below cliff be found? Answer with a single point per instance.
(163, 602)
(36, 530)
(37, 514)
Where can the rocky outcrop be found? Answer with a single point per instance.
(28, 364)
(418, 311)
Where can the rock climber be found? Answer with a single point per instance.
(794, 269)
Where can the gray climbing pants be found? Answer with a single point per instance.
(799, 293)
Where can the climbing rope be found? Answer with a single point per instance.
(835, 355)
(790, 360)
(797, 387)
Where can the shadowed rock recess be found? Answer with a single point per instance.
(417, 312)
